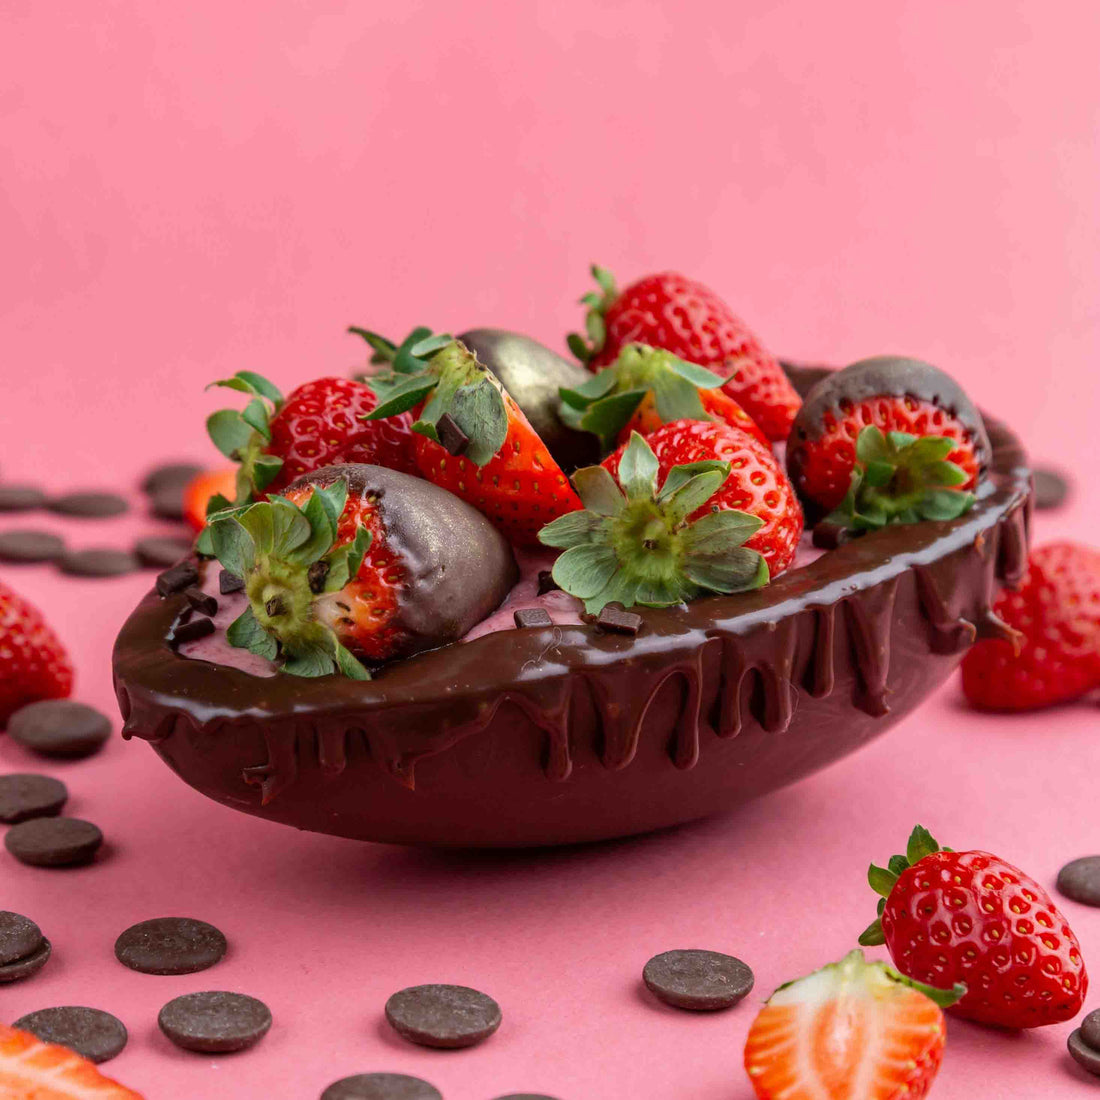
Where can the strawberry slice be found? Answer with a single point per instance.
(33, 1070)
(853, 1030)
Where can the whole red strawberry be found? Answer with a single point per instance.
(756, 483)
(33, 662)
(948, 917)
(1056, 611)
(684, 317)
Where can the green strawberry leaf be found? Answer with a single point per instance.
(598, 491)
(638, 469)
(245, 632)
(233, 546)
(921, 844)
(585, 570)
(881, 880)
(229, 433)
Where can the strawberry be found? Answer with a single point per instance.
(970, 917)
(202, 489)
(33, 1070)
(686, 318)
(33, 662)
(645, 388)
(1056, 611)
(756, 485)
(471, 438)
(887, 440)
(654, 541)
(348, 566)
(853, 1030)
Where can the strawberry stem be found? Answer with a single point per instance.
(590, 345)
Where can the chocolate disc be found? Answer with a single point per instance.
(26, 966)
(89, 505)
(99, 561)
(167, 503)
(19, 937)
(381, 1086)
(21, 498)
(159, 553)
(1051, 488)
(443, 1016)
(93, 1034)
(215, 1022)
(30, 546)
(60, 727)
(54, 842)
(701, 981)
(168, 475)
(1084, 1055)
(170, 945)
(1090, 1030)
(1080, 880)
(23, 796)
(526, 1096)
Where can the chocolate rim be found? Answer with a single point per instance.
(429, 703)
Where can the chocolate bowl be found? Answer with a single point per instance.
(562, 734)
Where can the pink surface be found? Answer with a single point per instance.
(193, 189)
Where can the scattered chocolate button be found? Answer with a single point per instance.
(19, 937)
(215, 1022)
(60, 727)
(88, 505)
(547, 582)
(443, 1016)
(381, 1086)
(701, 981)
(93, 1034)
(30, 546)
(182, 575)
(23, 796)
(1079, 880)
(54, 841)
(167, 503)
(191, 630)
(201, 601)
(613, 621)
(168, 475)
(828, 536)
(526, 1096)
(452, 438)
(21, 498)
(28, 966)
(1051, 488)
(532, 616)
(229, 582)
(1090, 1029)
(170, 945)
(158, 553)
(1084, 1055)
(99, 561)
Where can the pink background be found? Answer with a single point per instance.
(193, 189)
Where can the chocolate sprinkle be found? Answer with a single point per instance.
(701, 981)
(215, 1022)
(451, 437)
(1051, 488)
(532, 616)
(1090, 1029)
(176, 579)
(547, 582)
(27, 966)
(191, 630)
(54, 842)
(1084, 1055)
(229, 582)
(169, 475)
(613, 621)
(1079, 880)
(444, 1016)
(89, 505)
(381, 1086)
(19, 937)
(99, 561)
(93, 1034)
(201, 601)
(23, 796)
(21, 498)
(30, 546)
(60, 727)
(157, 552)
(170, 945)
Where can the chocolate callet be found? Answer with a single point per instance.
(60, 727)
(23, 796)
(1085, 1056)
(1079, 880)
(200, 600)
(21, 498)
(170, 945)
(157, 552)
(176, 579)
(30, 546)
(381, 1086)
(192, 631)
(700, 981)
(612, 620)
(90, 1032)
(89, 505)
(444, 1016)
(53, 841)
(98, 561)
(1090, 1029)
(532, 616)
(19, 937)
(1051, 488)
(215, 1022)
(27, 966)
(451, 437)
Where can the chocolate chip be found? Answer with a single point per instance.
(180, 576)
(167, 503)
(170, 945)
(191, 630)
(169, 475)
(1084, 1055)
(28, 966)
(93, 1034)
(1051, 488)
(451, 437)
(54, 841)
(19, 937)
(201, 601)
(158, 553)
(99, 561)
(23, 796)
(229, 582)
(526, 1096)
(215, 1022)
(381, 1086)
(532, 616)
(701, 981)
(547, 582)
(60, 727)
(21, 498)
(1080, 880)
(89, 505)
(317, 575)
(443, 1016)
(30, 546)
(828, 536)
(613, 621)
(1090, 1030)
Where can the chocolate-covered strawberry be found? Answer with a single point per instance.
(887, 440)
(359, 563)
(688, 319)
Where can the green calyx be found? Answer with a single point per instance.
(288, 557)
(901, 478)
(634, 544)
(882, 879)
(445, 377)
(606, 402)
(598, 302)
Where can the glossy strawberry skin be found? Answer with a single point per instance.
(33, 662)
(970, 917)
(757, 483)
(718, 405)
(688, 319)
(321, 424)
(1056, 609)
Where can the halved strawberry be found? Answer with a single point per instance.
(33, 1070)
(853, 1030)
(33, 663)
